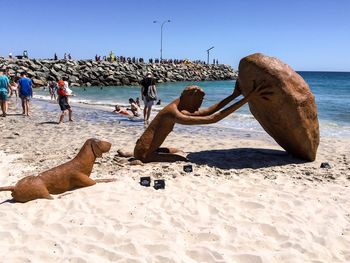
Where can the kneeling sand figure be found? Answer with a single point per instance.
(65, 177)
(184, 110)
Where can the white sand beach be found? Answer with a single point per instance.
(246, 201)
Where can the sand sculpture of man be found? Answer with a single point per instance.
(183, 110)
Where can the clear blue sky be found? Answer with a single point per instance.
(306, 34)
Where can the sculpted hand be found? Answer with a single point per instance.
(261, 91)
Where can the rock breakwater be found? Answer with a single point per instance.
(105, 73)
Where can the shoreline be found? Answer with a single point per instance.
(232, 124)
(245, 201)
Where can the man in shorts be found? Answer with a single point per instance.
(63, 102)
(149, 95)
(25, 92)
(4, 91)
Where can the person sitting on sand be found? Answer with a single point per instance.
(134, 108)
(63, 102)
(138, 101)
(183, 110)
(122, 111)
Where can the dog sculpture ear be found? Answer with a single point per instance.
(96, 148)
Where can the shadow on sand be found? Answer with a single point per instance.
(243, 158)
(15, 114)
(48, 122)
(11, 201)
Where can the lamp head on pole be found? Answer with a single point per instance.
(210, 49)
(165, 21)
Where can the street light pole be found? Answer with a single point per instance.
(208, 54)
(161, 37)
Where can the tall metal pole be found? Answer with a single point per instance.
(208, 54)
(161, 37)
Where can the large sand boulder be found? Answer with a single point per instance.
(290, 113)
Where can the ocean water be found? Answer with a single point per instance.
(331, 90)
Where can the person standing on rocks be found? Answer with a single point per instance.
(25, 92)
(4, 91)
(149, 95)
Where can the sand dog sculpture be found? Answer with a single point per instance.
(65, 177)
(290, 116)
(184, 110)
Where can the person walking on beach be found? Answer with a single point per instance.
(66, 86)
(4, 92)
(25, 92)
(13, 87)
(149, 95)
(53, 89)
(63, 102)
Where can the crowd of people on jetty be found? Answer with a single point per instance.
(22, 87)
(111, 57)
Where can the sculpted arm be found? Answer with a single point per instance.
(194, 120)
(259, 90)
(216, 107)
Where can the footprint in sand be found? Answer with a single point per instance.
(98, 249)
(6, 238)
(246, 258)
(205, 255)
(59, 229)
(251, 205)
(157, 248)
(271, 231)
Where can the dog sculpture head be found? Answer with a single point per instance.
(99, 147)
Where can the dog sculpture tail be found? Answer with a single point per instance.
(7, 188)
